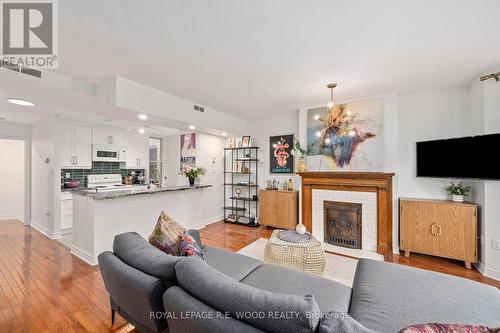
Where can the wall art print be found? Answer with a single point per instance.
(280, 154)
(346, 138)
(188, 149)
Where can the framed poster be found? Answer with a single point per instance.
(188, 149)
(280, 154)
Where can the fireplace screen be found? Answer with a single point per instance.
(343, 224)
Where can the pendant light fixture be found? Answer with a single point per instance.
(331, 104)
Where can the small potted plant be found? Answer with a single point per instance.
(458, 191)
(301, 154)
(192, 173)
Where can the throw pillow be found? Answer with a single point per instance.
(167, 235)
(447, 328)
(189, 246)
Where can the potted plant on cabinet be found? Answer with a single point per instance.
(458, 191)
(192, 173)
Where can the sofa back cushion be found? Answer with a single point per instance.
(267, 311)
(136, 252)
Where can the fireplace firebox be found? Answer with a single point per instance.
(343, 224)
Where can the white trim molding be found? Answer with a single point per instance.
(83, 255)
(44, 230)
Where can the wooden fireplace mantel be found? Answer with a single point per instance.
(378, 182)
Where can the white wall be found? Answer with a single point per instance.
(12, 170)
(45, 195)
(209, 155)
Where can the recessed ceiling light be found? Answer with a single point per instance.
(142, 131)
(224, 134)
(143, 116)
(20, 102)
(192, 127)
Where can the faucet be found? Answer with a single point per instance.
(157, 180)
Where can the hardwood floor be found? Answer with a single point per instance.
(43, 288)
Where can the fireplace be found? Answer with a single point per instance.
(343, 222)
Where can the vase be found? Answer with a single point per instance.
(301, 165)
(300, 229)
(457, 198)
(191, 181)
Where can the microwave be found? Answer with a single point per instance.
(109, 153)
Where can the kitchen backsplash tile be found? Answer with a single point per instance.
(98, 168)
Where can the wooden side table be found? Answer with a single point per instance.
(305, 256)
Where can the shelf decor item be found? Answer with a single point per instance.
(240, 180)
(245, 142)
(301, 154)
(458, 191)
(192, 173)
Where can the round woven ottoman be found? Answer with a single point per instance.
(307, 256)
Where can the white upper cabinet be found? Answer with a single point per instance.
(137, 151)
(103, 136)
(76, 147)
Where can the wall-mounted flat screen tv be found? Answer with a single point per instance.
(467, 157)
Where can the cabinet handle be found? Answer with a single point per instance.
(111, 139)
(76, 158)
(432, 229)
(439, 230)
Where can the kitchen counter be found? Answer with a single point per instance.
(99, 217)
(140, 190)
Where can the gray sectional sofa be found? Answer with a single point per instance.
(229, 292)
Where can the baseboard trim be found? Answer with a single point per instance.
(66, 231)
(83, 255)
(207, 222)
(40, 228)
(492, 273)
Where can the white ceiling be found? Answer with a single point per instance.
(250, 58)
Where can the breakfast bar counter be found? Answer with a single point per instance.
(99, 216)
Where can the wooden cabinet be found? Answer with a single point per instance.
(438, 227)
(103, 136)
(76, 147)
(279, 209)
(137, 151)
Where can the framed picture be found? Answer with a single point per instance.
(188, 149)
(280, 154)
(245, 142)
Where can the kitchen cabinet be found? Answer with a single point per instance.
(76, 147)
(137, 151)
(104, 136)
(438, 227)
(66, 212)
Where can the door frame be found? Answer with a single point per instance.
(27, 175)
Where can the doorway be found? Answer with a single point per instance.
(13, 180)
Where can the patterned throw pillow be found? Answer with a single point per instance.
(167, 235)
(189, 247)
(448, 328)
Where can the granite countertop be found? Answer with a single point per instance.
(135, 191)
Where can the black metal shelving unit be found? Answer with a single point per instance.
(243, 209)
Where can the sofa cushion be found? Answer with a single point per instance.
(250, 305)
(388, 297)
(136, 252)
(334, 322)
(330, 295)
(167, 235)
(232, 264)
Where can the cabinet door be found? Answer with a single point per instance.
(267, 213)
(133, 143)
(117, 138)
(66, 144)
(82, 146)
(284, 210)
(417, 230)
(101, 136)
(143, 151)
(456, 231)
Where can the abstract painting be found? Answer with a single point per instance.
(346, 138)
(188, 149)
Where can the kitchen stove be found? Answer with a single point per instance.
(106, 183)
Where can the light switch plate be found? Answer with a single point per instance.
(67, 175)
(495, 243)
